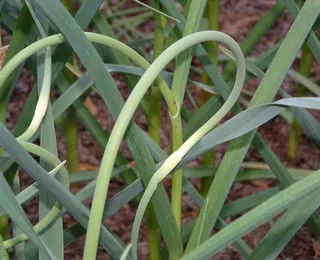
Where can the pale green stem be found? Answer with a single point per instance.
(176, 157)
(56, 209)
(3, 251)
(93, 37)
(179, 83)
(55, 39)
(125, 117)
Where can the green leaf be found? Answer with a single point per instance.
(257, 216)
(111, 207)
(285, 228)
(80, 212)
(183, 60)
(14, 210)
(17, 43)
(110, 94)
(54, 235)
(85, 82)
(312, 39)
(265, 93)
(245, 122)
(16, 230)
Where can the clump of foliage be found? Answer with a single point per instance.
(47, 35)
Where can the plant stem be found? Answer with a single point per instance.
(23, 28)
(212, 14)
(179, 83)
(154, 126)
(72, 141)
(295, 127)
(71, 129)
(176, 192)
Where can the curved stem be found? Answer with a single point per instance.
(56, 209)
(58, 38)
(55, 39)
(43, 101)
(125, 118)
(176, 157)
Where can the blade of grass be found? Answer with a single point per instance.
(306, 82)
(244, 123)
(293, 146)
(156, 10)
(127, 12)
(70, 125)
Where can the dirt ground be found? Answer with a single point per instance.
(237, 18)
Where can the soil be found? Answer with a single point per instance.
(237, 18)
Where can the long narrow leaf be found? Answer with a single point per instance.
(14, 210)
(265, 93)
(89, 57)
(81, 213)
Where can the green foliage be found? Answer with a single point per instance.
(45, 28)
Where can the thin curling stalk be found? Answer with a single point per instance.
(124, 119)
